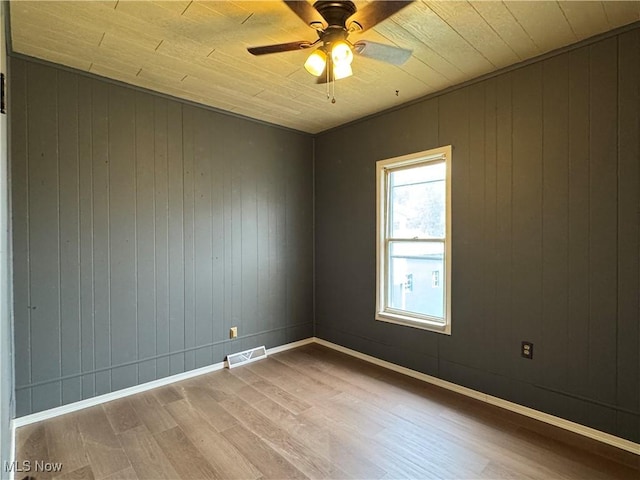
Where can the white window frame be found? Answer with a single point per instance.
(383, 312)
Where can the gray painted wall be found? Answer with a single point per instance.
(546, 197)
(143, 228)
(6, 354)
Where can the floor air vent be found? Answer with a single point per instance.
(248, 356)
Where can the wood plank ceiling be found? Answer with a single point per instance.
(196, 50)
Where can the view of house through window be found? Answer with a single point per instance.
(413, 255)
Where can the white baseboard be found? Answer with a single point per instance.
(499, 402)
(514, 407)
(107, 397)
(291, 345)
(143, 387)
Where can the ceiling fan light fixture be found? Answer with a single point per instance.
(316, 63)
(341, 53)
(342, 71)
(333, 22)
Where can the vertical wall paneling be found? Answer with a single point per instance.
(577, 357)
(249, 245)
(138, 239)
(505, 350)
(227, 225)
(603, 230)
(101, 236)
(527, 212)
(122, 238)
(628, 358)
(69, 182)
(263, 202)
(277, 222)
(545, 235)
(217, 187)
(85, 175)
(20, 233)
(188, 126)
(475, 241)
(235, 232)
(44, 234)
(203, 227)
(299, 252)
(282, 309)
(176, 296)
(159, 335)
(145, 262)
(489, 229)
(274, 286)
(555, 221)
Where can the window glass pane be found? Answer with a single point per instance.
(417, 202)
(416, 277)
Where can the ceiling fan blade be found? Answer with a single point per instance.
(375, 12)
(307, 13)
(382, 52)
(280, 47)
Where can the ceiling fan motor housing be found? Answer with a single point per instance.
(335, 13)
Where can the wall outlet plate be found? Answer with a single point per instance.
(526, 350)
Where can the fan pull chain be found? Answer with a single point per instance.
(333, 89)
(331, 83)
(327, 82)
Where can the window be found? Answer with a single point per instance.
(414, 240)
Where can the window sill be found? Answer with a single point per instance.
(414, 322)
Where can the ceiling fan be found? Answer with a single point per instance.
(333, 22)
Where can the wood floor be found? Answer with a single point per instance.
(311, 413)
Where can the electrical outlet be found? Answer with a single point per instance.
(233, 332)
(526, 350)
